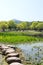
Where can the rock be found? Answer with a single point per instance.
(16, 63)
(11, 46)
(10, 50)
(12, 55)
(13, 59)
(3, 51)
(4, 47)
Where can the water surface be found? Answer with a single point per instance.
(32, 52)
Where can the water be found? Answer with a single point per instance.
(32, 52)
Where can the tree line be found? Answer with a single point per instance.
(23, 25)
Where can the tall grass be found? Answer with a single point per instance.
(19, 37)
(22, 33)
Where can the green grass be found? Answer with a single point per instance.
(19, 37)
(21, 33)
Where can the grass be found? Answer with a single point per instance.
(21, 33)
(19, 37)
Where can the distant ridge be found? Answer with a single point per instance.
(17, 21)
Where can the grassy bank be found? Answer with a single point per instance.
(22, 33)
(20, 37)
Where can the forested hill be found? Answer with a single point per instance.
(17, 21)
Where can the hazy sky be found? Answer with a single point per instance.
(21, 9)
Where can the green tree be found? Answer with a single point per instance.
(11, 25)
(26, 25)
(3, 26)
(23, 26)
(33, 25)
(40, 26)
(20, 27)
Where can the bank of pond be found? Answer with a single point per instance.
(21, 36)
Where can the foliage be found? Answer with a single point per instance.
(3, 26)
(33, 25)
(24, 25)
(40, 26)
(11, 25)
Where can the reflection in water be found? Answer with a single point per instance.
(33, 52)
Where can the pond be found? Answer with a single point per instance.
(32, 52)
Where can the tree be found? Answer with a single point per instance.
(20, 27)
(26, 25)
(40, 26)
(11, 25)
(3, 26)
(33, 25)
(23, 26)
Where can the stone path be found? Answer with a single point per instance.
(11, 56)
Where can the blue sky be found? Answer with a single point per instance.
(28, 10)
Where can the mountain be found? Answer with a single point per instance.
(17, 21)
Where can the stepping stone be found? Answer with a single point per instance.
(13, 59)
(15, 63)
(10, 50)
(13, 55)
(3, 51)
(11, 46)
(4, 47)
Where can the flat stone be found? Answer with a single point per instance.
(12, 55)
(4, 47)
(11, 46)
(16, 63)
(13, 59)
(3, 51)
(10, 50)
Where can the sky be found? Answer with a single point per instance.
(24, 10)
